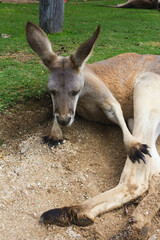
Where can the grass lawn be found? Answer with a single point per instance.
(22, 76)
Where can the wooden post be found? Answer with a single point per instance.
(51, 14)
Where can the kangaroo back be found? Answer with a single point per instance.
(119, 74)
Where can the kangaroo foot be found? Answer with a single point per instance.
(65, 217)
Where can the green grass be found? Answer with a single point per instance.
(123, 30)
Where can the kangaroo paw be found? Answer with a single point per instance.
(51, 141)
(65, 217)
(137, 152)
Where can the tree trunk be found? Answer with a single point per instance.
(51, 14)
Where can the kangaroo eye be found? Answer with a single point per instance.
(74, 93)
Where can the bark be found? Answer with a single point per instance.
(51, 15)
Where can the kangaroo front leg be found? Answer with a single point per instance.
(134, 148)
(55, 136)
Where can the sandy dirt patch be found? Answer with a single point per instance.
(35, 179)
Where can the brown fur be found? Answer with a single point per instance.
(103, 90)
(120, 73)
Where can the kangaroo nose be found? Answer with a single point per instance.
(63, 120)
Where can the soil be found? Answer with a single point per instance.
(19, 56)
(19, 1)
(35, 179)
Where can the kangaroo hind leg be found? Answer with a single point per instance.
(136, 177)
(147, 107)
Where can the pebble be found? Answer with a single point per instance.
(35, 214)
(4, 35)
(72, 233)
(153, 237)
(23, 147)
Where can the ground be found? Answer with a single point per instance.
(35, 179)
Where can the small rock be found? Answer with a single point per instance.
(35, 214)
(153, 237)
(24, 147)
(3, 35)
(73, 234)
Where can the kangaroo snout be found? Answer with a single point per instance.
(63, 120)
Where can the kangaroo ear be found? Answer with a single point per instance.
(40, 43)
(83, 52)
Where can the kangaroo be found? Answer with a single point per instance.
(142, 4)
(94, 90)
(112, 90)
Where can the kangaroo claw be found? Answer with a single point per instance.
(137, 152)
(144, 149)
(51, 142)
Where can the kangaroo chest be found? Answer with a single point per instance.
(119, 75)
(90, 110)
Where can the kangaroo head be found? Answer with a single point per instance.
(66, 80)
